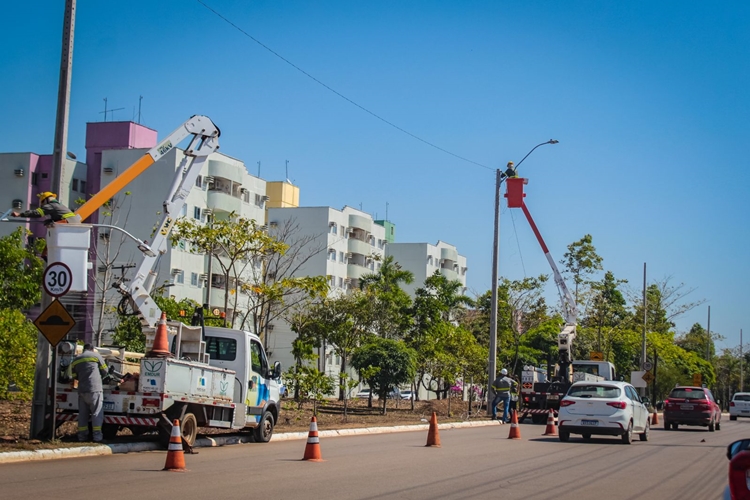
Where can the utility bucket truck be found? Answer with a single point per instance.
(541, 390)
(213, 377)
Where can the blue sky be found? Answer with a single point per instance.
(649, 102)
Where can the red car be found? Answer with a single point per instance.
(691, 406)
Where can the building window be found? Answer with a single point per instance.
(180, 277)
(246, 196)
(74, 185)
(331, 281)
(341, 256)
(45, 175)
(372, 241)
(83, 186)
(34, 178)
(332, 255)
(332, 228)
(194, 279)
(341, 282)
(183, 211)
(199, 182)
(429, 260)
(197, 213)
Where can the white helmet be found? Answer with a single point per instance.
(503, 372)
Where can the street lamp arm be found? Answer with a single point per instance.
(142, 245)
(551, 141)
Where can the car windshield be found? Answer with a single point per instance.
(586, 368)
(741, 397)
(688, 394)
(594, 391)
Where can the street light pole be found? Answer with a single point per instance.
(492, 364)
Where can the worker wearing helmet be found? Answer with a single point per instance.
(48, 206)
(89, 368)
(503, 385)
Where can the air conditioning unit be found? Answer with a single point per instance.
(101, 269)
(18, 172)
(264, 227)
(207, 211)
(209, 179)
(17, 204)
(349, 255)
(265, 198)
(203, 277)
(347, 280)
(104, 235)
(243, 190)
(269, 327)
(331, 224)
(175, 271)
(108, 170)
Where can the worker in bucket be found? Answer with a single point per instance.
(89, 368)
(503, 385)
(48, 206)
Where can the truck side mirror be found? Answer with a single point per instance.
(277, 370)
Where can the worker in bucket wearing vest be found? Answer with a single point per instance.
(48, 206)
(503, 385)
(89, 368)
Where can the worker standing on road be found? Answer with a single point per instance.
(48, 206)
(503, 385)
(89, 368)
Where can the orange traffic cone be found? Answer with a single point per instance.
(655, 418)
(515, 430)
(551, 430)
(312, 450)
(433, 436)
(175, 457)
(161, 342)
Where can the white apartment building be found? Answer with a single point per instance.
(353, 245)
(423, 259)
(223, 187)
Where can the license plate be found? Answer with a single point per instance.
(108, 406)
(686, 407)
(589, 422)
(745, 411)
(553, 396)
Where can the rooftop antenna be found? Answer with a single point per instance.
(287, 172)
(109, 111)
(140, 100)
(386, 210)
(258, 170)
(360, 206)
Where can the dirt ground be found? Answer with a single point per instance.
(15, 417)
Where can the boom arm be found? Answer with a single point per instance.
(205, 140)
(566, 337)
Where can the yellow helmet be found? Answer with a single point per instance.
(43, 196)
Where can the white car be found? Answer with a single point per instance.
(407, 395)
(740, 405)
(607, 408)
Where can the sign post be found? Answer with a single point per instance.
(54, 323)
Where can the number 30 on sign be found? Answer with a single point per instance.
(57, 279)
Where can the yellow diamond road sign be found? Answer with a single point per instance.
(647, 377)
(55, 322)
(596, 356)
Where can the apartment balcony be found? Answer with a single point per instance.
(220, 201)
(360, 222)
(225, 170)
(355, 271)
(359, 246)
(449, 254)
(449, 274)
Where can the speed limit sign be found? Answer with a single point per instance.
(57, 279)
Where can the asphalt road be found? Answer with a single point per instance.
(472, 463)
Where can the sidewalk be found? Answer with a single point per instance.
(203, 442)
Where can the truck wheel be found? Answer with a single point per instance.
(564, 436)
(667, 425)
(189, 428)
(732, 417)
(263, 432)
(539, 418)
(109, 431)
(718, 426)
(586, 437)
(627, 437)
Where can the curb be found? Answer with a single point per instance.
(213, 442)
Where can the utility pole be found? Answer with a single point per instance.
(645, 319)
(42, 374)
(742, 377)
(708, 336)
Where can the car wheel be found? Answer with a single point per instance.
(711, 426)
(586, 436)
(675, 427)
(644, 435)
(718, 426)
(667, 425)
(564, 436)
(732, 417)
(627, 437)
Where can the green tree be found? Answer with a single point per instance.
(235, 243)
(18, 337)
(581, 261)
(21, 272)
(609, 308)
(395, 364)
(390, 303)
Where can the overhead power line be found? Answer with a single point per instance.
(339, 94)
